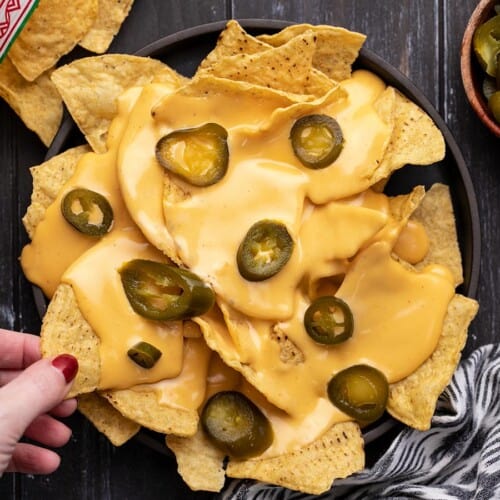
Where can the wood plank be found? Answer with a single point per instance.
(481, 151)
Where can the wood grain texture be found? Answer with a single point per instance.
(419, 37)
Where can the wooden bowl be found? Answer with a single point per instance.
(472, 73)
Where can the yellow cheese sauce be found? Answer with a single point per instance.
(56, 244)
(344, 237)
(102, 301)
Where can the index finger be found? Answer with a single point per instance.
(18, 350)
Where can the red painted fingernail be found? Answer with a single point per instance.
(67, 365)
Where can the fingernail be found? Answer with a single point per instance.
(67, 365)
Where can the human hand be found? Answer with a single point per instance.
(31, 395)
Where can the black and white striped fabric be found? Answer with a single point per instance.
(458, 458)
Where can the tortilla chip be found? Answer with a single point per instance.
(65, 330)
(199, 463)
(106, 419)
(435, 213)
(48, 180)
(110, 17)
(413, 399)
(313, 468)
(37, 103)
(336, 48)
(143, 408)
(234, 42)
(90, 88)
(286, 68)
(52, 31)
(415, 139)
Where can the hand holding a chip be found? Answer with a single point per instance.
(31, 395)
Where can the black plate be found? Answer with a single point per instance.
(184, 51)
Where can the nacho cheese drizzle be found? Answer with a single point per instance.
(344, 239)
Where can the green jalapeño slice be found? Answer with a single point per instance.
(164, 292)
(329, 320)
(198, 155)
(144, 354)
(264, 251)
(317, 140)
(486, 43)
(87, 211)
(360, 391)
(235, 425)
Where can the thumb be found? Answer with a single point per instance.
(38, 389)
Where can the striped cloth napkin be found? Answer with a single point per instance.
(13, 16)
(458, 458)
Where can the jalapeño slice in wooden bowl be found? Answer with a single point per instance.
(164, 292)
(317, 140)
(198, 155)
(87, 211)
(360, 391)
(329, 320)
(264, 251)
(236, 425)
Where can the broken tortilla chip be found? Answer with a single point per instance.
(233, 40)
(110, 17)
(106, 419)
(37, 103)
(52, 31)
(90, 88)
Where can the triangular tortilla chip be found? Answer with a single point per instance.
(90, 88)
(286, 68)
(48, 179)
(37, 103)
(106, 419)
(109, 19)
(52, 31)
(415, 139)
(413, 399)
(234, 41)
(336, 48)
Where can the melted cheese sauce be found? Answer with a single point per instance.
(343, 235)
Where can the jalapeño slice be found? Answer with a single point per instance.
(360, 391)
(164, 292)
(144, 354)
(236, 425)
(329, 320)
(317, 140)
(87, 211)
(198, 155)
(486, 43)
(264, 251)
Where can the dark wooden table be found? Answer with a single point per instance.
(419, 37)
